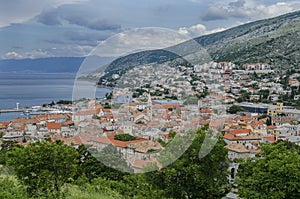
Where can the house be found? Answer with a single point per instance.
(54, 127)
(258, 127)
(140, 117)
(254, 97)
(273, 97)
(229, 138)
(257, 67)
(74, 141)
(240, 132)
(139, 165)
(237, 151)
(4, 125)
(235, 89)
(269, 139)
(83, 115)
(271, 129)
(296, 97)
(14, 136)
(129, 149)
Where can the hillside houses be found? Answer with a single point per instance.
(175, 99)
(257, 67)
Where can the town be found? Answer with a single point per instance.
(246, 105)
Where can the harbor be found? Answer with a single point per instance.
(14, 110)
(11, 110)
(7, 114)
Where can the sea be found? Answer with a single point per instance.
(36, 89)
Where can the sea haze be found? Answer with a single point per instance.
(42, 65)
(31, 89)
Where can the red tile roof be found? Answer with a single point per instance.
(4, 124)
(272, 127)
(69, 122)
(203, 122)
(86, 112)
(103, 140)
(288, 120)
(240, 131)
(229, 136)
(270, 138)
(53, 125)
(170, 106)
(206, 111)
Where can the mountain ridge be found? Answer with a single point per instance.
(274, 41)
(254, 41)
(251, 42)
(42, 65)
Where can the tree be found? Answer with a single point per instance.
(269, 121)
(135, 186)
(192, 177)
(276, 174)
(11, 188)
(234, 109)
(64, 102)
(124, 137)
(44, 167)
(5, 146)
(172, 134)
(91, 167)
(109, 96)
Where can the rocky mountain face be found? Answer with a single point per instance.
(274, 41)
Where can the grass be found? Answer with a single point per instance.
(75, 192)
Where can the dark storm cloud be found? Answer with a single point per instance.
(88, 38)
(99, 24)
(49, 18)
(80, 38)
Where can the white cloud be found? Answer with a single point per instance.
(198, 30)
(18, 11)
(276, 9)
(63, 51)
(12, 55)
(255, 10)
(138, 40)
(249, 10)
(31, 54)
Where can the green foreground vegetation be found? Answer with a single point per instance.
(55, 170)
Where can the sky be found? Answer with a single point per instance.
(68, 28)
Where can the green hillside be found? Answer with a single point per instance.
(275, 41)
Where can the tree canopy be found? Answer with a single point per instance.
(276, 174)
(55, 170)
(194, 177)
(44, 167)
(234, 109)
(124, 137)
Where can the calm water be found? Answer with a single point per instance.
(37, 89)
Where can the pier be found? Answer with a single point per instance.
(11, 110)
